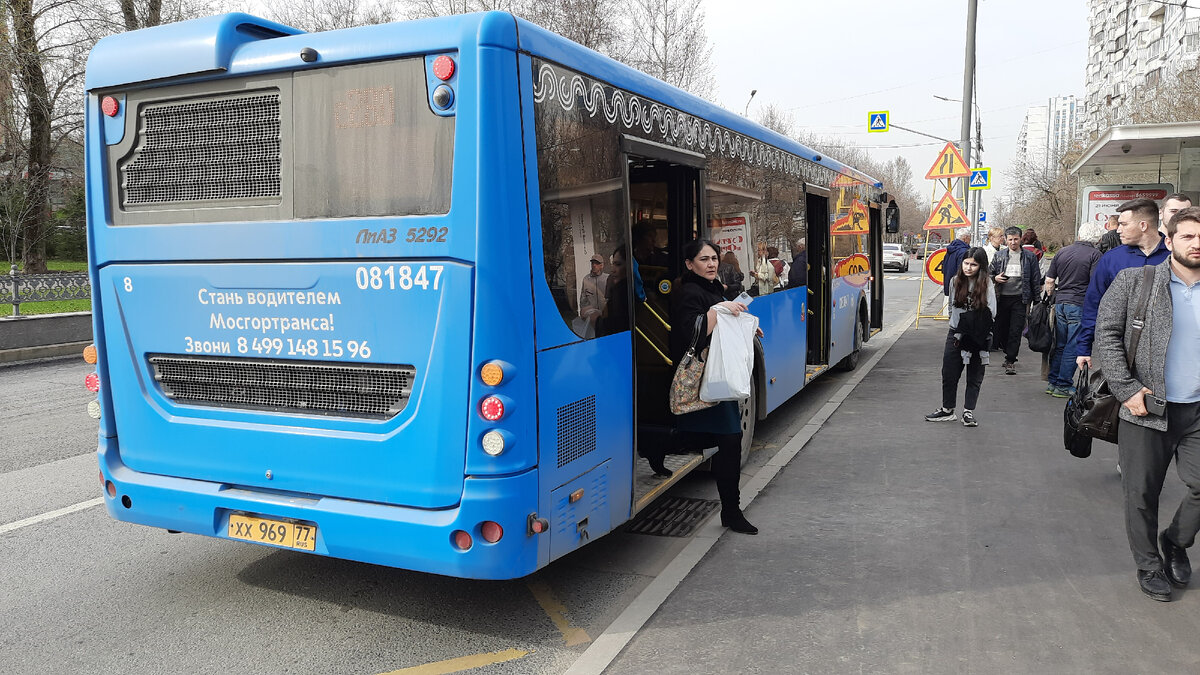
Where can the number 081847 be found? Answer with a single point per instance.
(269, 531)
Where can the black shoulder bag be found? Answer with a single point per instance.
(1094, 411)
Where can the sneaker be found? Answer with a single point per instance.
(941, 415)
(1010, 368)
(969, 419)
(1050, 390)
(1060, 393)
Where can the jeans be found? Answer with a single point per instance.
(1145, 455)
(952, 368)
(1062, 360)
(1010, 323)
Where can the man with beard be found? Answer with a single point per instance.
(1160, 387)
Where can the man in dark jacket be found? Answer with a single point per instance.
(955, 252)
(1160, 416)
(1141, 245)
(1017, 275)
(1068, 278)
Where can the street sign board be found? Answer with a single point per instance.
(949, 164)
(981, 179)
(946, 214)
(933, 266)
(1103, 200)
(983, 216)
(877, 121)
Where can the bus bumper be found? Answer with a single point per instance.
(396, 536)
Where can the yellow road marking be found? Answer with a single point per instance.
(461, 663)
(558, 614)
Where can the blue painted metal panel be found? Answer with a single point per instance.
(399, 536)
(846, 300)
(601, 368)
(783, 319)
(575, 522)
(412, 459)
(196, 46)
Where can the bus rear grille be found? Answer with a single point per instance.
(297, 387)
(202, 150)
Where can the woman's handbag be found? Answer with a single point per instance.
(1099, 409)
(685, 385)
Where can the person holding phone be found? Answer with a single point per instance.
(1160, 417)
(1017, 274)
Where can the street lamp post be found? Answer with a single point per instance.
(746, 112)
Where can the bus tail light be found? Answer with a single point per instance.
(110, 488)
(492, 373)
(89, 354)
(493, 443)
(491, 408)
(110, 106)
(92, 382)
(491, 531)
(535, 525)
(443, 68)
(462, 540)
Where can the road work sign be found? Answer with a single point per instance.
(933, 266)
(877, 121)
(949, 164)
(946, 214)
(981, 179)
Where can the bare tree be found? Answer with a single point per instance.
(669, 42)
(321, 15)
(777, 119)
(421, 9)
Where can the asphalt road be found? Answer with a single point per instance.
(83, 593)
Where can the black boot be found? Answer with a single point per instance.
(656, 463)
(728, 474)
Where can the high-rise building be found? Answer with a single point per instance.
(1048, 131)
(1134, 44)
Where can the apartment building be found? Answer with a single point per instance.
(1134, 44)
(1049, 130)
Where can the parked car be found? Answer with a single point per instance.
(929, 247)
(895, 257)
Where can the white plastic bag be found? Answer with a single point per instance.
(730, 357)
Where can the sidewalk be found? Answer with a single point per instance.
(890, 544)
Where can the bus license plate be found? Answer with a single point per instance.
(277, 532)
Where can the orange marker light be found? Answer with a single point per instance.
(89, 354)
(492, 374)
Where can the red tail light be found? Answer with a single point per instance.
(462, 540)
(491, 408)
(443, 68)
(92, 382)
(492, 532)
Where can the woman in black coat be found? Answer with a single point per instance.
(695, 294)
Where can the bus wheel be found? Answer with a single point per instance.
(748, 409)
(851, 361)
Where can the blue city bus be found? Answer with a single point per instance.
(344, 292)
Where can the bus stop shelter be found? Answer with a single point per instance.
(1138, 160)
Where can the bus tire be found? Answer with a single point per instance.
(748, 411)
(851, 361)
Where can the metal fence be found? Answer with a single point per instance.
(22, 288)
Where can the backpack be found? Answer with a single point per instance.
(1039, 327)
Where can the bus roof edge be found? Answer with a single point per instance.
(198, 45)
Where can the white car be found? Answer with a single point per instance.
(895, 257)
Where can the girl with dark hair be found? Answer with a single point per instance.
(972, 312)
(730, 274)
(1029, 242)
(696, 294)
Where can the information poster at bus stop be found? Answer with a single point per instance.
(732, 233)
(1103, 200)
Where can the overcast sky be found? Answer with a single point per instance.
(829, 62)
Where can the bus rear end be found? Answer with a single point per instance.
(285, 236)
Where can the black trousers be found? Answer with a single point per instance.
(726, 465)
(1145, 455)
(1010, 323)
(952, 368)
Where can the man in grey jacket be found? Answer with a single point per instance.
(1018, 279)
(1160, 417)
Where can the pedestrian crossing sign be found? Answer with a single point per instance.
(877, 121)
(981, 179)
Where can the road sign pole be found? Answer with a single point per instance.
(968, 92)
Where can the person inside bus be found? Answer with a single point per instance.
(614, 317)
(591, 297)
(697, 292)
(730, 274)
(798, 274)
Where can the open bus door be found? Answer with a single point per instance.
(666, 211)
(816, 205)
(875, 253)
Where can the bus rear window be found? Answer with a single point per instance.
(367, 143)
(347, 141)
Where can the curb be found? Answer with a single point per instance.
(42, 352)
